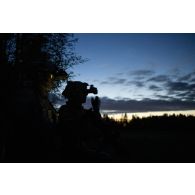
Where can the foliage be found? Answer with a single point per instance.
(42, 58)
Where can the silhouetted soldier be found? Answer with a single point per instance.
(80, 127)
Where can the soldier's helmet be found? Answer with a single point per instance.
(78, 90)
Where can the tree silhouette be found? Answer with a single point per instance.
(31, 66)
(34, 64)
(34, 54)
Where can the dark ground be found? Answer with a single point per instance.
(138, 141)
(158, 147)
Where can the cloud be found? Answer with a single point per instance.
(113, 80)
(184, 78)
(139, 78)
(142, 72)
(155, 88)
(164, 97)
(104, 83)
(188, 95)
(119, 81)
(145, 105)
(176, 86)
(187, 77)
(181, 90)
(136, 83)
(180, 86)
(165, 87)
(159, 78)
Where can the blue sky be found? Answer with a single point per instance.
(152, 71)
(123, 57)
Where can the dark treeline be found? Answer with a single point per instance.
(167, 138)
(166, 123)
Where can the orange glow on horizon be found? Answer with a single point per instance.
(118, 116)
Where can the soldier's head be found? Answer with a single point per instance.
(77, 91)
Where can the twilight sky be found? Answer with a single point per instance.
(139, 72)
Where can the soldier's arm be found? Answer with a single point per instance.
(96, 104)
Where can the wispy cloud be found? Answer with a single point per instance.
(113, 80)
(136, 83)
(159, 78)
(179, 86)
(141, 72)
(104, 83)
(145, 105)
(155, 88)
(187, 77)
